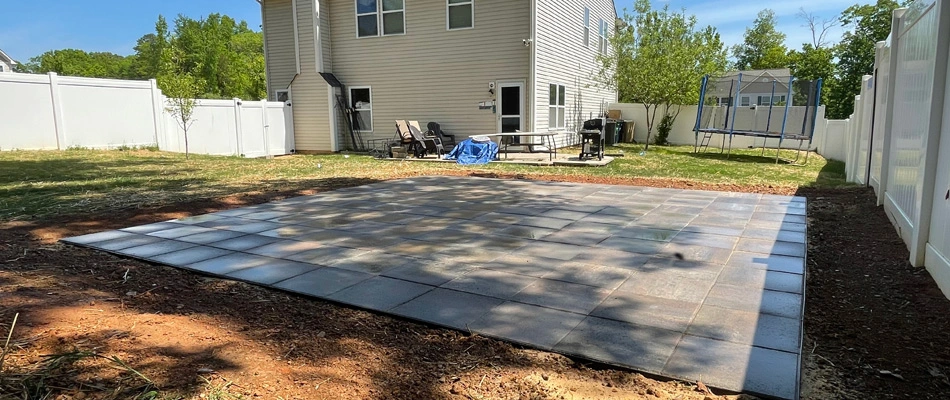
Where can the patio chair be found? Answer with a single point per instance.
(411, 141)
(447, 140)
(432, 143)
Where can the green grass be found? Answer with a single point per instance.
(48, 184)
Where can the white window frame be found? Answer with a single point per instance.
(380, 26)
(370, 109)
(448, 6)
(745, 101)
(559, 107)
(603, 46)
(587, 27)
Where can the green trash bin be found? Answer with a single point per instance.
(612, 132)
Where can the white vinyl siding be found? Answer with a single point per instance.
(565, 60)
(429, 74)
(311, 105)
(281, 56)
(460, 14)
(556, 103)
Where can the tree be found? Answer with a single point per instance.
(73, 62)
(868, 25)
(819, 29)
(658, 58)
(763, 46)
(226, 54)
(147, 61)
(182, 89)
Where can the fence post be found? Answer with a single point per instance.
(897, 22)
(921, 235)
(157, 110)
(265, 126)
(238, 128)
(57, 110)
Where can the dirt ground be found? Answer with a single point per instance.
(191, 336)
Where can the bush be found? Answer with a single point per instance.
(663, 130)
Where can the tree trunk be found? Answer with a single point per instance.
(186, 143)
(651, 118)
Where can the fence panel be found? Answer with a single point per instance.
(881, 78)
(48, 112)
(26, 113)
(915, 77)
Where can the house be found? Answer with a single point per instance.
(475, 66)
(756, 87)
(6, 62)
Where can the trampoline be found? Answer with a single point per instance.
(762, 106)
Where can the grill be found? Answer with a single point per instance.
(592, 139)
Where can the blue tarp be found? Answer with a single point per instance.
(471, 152)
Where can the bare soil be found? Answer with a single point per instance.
(867, 310)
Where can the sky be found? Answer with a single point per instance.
(115, 25)
(732, 17)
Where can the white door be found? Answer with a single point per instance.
(510, 109)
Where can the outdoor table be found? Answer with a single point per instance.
(547, 139)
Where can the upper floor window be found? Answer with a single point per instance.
(603, 36)
(375, 16)
(460, 14)
(586, 27)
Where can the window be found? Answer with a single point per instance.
(1, 68)
(586, 27)
(603, 36)
(283, 96)
(556, 103)
(361, 99)
(460, 14)
(375, 16)
(745, 101)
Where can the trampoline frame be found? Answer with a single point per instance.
(766, 134)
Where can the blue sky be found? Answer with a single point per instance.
(115, 25)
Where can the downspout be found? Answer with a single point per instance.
(533, 67)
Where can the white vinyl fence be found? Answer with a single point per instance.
(50, 112)
(683, 132)
(899, 135)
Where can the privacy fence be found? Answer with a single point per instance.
(49, 112)
(827, 140)
(898, 139)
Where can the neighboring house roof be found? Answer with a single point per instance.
(6, 58)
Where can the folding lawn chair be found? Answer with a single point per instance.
(433, 144)
(410, 140)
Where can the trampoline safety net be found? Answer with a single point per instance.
(762, 105)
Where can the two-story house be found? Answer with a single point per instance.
(475, 66)
(6, 62)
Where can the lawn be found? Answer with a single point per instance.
(46, 184)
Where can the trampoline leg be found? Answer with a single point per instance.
(765, 142)
(730, 147)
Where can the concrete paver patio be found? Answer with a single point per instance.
(694, 285)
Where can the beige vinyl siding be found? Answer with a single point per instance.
(430, 73)
(563, 59)
(279, 34)
(309, 91)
